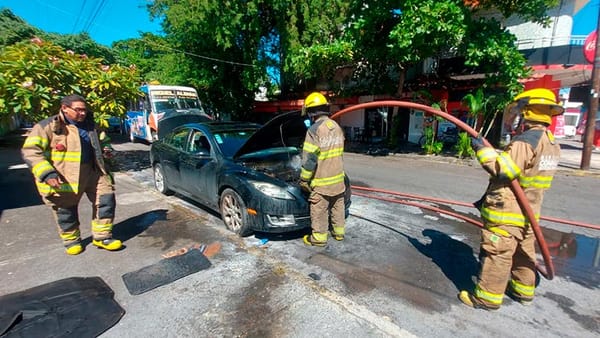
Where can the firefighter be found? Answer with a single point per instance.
(66, 159)
(507, 252)
(322, 173)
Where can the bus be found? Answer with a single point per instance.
(162, 106)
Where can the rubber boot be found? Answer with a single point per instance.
(310, 240)
(337, 232)
(109, 244)
(74, 249)
(472, 301)
(517, 298)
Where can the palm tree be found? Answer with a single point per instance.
(479, 104)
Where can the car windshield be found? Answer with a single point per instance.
(230, 141)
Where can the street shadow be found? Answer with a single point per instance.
(134, 226)
(453, 257)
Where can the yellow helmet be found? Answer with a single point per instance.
(537, 105)
(315, 104)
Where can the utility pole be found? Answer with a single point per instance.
(590, 126)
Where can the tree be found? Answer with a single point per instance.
(81, 43)
(151, 55)
(36, 74)
(14, 29)
(311, 47)
(214, 47)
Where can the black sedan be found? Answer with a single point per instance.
(248, 173)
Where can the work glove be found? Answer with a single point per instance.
(477, 143)
(304, 185)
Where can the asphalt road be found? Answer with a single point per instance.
(396, 274)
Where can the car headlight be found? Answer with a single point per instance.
(272, 190)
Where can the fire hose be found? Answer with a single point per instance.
(548, 269)
(452, 202)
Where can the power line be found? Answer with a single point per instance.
(94, 15)
(78, 16)
(200, 56)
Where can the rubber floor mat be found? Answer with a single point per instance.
(74, 307)
(165, 271)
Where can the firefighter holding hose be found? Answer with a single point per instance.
(507, 249)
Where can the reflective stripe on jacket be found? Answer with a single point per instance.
(532, 157)
(54, 147)
(322, 157)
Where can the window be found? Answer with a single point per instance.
(178, 139)
(199, 143)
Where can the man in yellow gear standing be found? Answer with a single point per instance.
(66, 159)
(322, 172)
(507, 241)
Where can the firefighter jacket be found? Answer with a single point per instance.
(322, 157)
(532, 158)
(53, 147)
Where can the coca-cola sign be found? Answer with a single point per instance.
(589, 47)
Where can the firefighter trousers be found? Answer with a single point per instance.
(100, 191)
(507, 258)
(322, 209)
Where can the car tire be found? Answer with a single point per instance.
(160, 181)
(233, 213)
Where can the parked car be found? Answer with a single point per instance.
(248, 173)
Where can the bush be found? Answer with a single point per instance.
(463, 146)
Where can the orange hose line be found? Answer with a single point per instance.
(465, 204)
(422, 206)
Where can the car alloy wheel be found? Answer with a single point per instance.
(233, 212)
(160, 181)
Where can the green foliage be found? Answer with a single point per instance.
(14, 29)
(463, 146)
(320, 62)
(81, 43)
(431, 146)
(35, 75)
(486, 105)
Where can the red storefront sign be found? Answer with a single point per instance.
(589, 47)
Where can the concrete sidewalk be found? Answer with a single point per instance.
(571, 154)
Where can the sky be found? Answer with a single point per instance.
(104, 20)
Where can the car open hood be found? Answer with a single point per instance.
(284, 130)
(176, 118)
